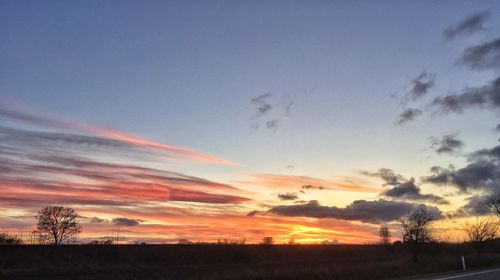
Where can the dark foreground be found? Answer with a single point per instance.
(487, 274)
(233, 262)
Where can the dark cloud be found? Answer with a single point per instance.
(273, 113)
(97, 220)
(475, 206)
(421, 85)
(273, 124)
(469, 25)
(252, 213)
(360, 210)
(479, 97)
(409, 191)
(483, 56)
(408, 115)
(498, 127)
(288, 196)
(449, 144)
(388, 175)
(481, 173)
(263, 106)
(126, 222)
(312, 187)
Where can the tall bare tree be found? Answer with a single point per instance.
(385, 235)
(57, 224)
(480, 231)
(417, 229)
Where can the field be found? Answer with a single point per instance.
(233, 262)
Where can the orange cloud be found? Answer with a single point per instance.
(291, 182)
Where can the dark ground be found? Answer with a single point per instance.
(233, 261)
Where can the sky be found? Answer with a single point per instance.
(206, 120)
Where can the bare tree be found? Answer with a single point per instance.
(480, 231)
(57, 224)
(417, 229)
(385, 235)
(493, 202)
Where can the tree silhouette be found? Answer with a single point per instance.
(480, 231)
(57, 224)
(385, 235)
(417, 229)
(493, 202)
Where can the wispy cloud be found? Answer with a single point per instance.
(288, 196)
(126, 222)
(448, 144)
(12, 115)
(408, 115)
(297, 183)
(483, 56)
(271, 110)
(421, 85)
(467, 26)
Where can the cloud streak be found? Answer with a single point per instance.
(467, 26)
(10, 114)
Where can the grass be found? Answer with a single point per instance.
(234, 261)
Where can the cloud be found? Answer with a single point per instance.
(388, 175)
(408, 115)
(126, 222)
(469, 25)
(375, 212)
(409, 191)
(483, 56)
(421, 85)
(38, 176)
(312, 187)
(476, 206)
(273, 124)
(481, 173)
(292, 182)
(263, 106)
(9, 114)
(288, 196)
(448, 144)
(97, 220)
(478, 97)
(288, 108)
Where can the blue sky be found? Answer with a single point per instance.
(184, 73)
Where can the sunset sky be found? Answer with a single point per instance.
(206, 120)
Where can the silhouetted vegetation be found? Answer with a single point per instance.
(5, 239)
(385, 235)
(57, 224)
(481, 231)
(417, 230)
(245, 262)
